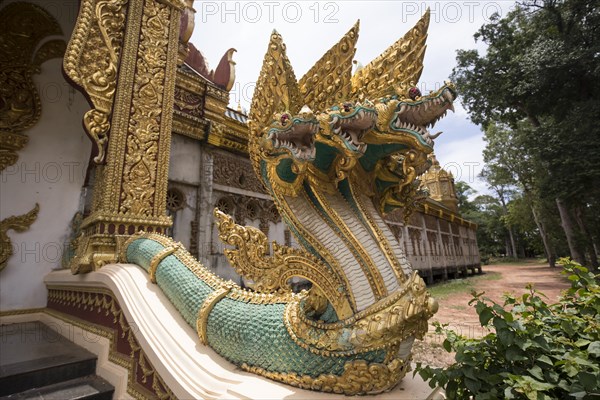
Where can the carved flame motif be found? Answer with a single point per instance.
(17, 223)
(91, 62)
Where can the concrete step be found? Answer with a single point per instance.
(34, 356)
(86, 388)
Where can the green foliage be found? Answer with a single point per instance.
(487, 212)
(536, 93)
(533, 351)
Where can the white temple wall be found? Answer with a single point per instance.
(50, 171)
(185, 176)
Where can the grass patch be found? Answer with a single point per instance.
(514, 261)
(444, 289)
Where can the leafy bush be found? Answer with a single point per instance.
(533, 351)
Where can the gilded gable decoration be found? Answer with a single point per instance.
(24, 47)
(92, 60)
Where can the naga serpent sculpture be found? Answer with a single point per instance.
(332, 174)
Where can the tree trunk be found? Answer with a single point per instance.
(513, 246)
(511, 235)
(591, 251)
(567, 225)
(550, 256)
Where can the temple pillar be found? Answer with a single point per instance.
(428, 251)
(460, 267)
(123, 54)
(207, 203)
(439, 235)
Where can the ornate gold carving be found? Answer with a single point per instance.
(271, 273)
(130, 188)
(91, 62)
(328, 81)
(22, 52)
(358, 378)
(403, 170)
(396, 68)
(17, 223)
(8, 313)
(440, 184)
(204, 311)
(10, 144)
(384, 324)
(235, 172)
(367, 264)
(188, 109)
(276, 89)
(188, 102)
(383, 242)
(141, 156)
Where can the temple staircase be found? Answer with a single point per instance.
(38, 363)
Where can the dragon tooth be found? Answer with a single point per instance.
(305, 110)
(451, 107)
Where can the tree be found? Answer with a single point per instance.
(538, 85)
(486, 212)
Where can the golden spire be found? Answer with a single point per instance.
(276, 88)
(397, 67)
(329, 81)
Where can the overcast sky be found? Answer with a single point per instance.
(310, 28)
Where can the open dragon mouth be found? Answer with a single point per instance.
(350, 122)
(296, 135)
(419, 114)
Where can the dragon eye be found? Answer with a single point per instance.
(414, 92)
(284, 119)
(347, 106)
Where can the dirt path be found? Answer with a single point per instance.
(495, 282)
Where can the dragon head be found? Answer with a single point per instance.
(293, 135)
(416, 114)
(347, 123)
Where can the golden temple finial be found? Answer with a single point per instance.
(329, 81)
(398, 66)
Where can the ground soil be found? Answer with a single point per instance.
(455, 311)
